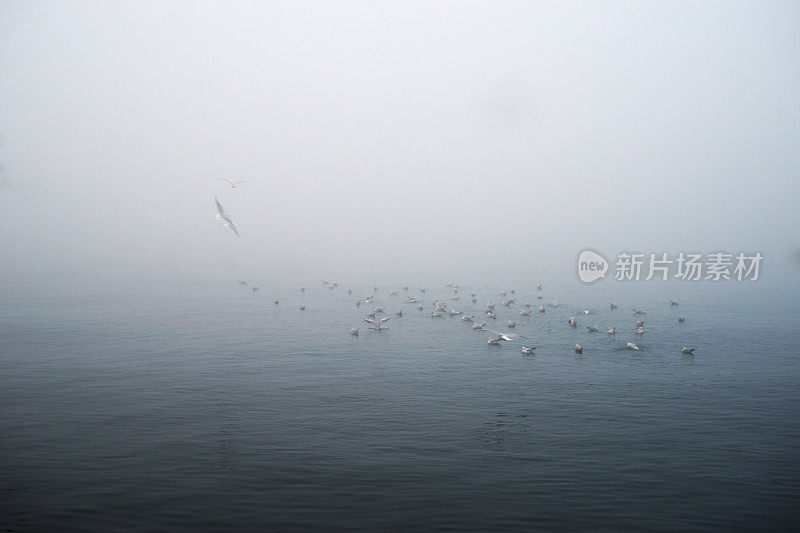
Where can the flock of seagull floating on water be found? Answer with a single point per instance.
(440, 308)
(377, 317)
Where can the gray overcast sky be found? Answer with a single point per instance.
(394, 135)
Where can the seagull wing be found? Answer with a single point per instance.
(241, 181)
(229, 182)
(220, 210)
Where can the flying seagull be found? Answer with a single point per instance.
(227, 220)
(232, 183)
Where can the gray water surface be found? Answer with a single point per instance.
(202, 405)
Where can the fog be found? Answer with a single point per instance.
(389, 139)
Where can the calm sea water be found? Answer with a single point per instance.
(202, 405)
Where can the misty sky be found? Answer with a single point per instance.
(412, 136)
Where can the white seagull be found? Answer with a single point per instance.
(495, 341)
(222, 216)
(378, 326)
(687, 351)
(632, 346)
(233, 184)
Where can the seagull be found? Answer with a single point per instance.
(495, 341)
(539, 296)
(673, 302)
(528, 350)
(592, 328)
(467, 318)
(399, 312)
(525, 313)
(640, 311)
(489, 314)
(612, 330)
(541, 309)
(572, 321)
(276, 302)
(585, 311)
(687, 351)
(612, 306)
(242, 283)
(378, 326)
(554, 304)
(578, 348)
(511, 324)
(681, 319)
(640, 330)
(222, 216)
(302, 289)
(632, 346)
(354, 331)
(302, 307)
(538, 286)
(233, 184)
(478, 326)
